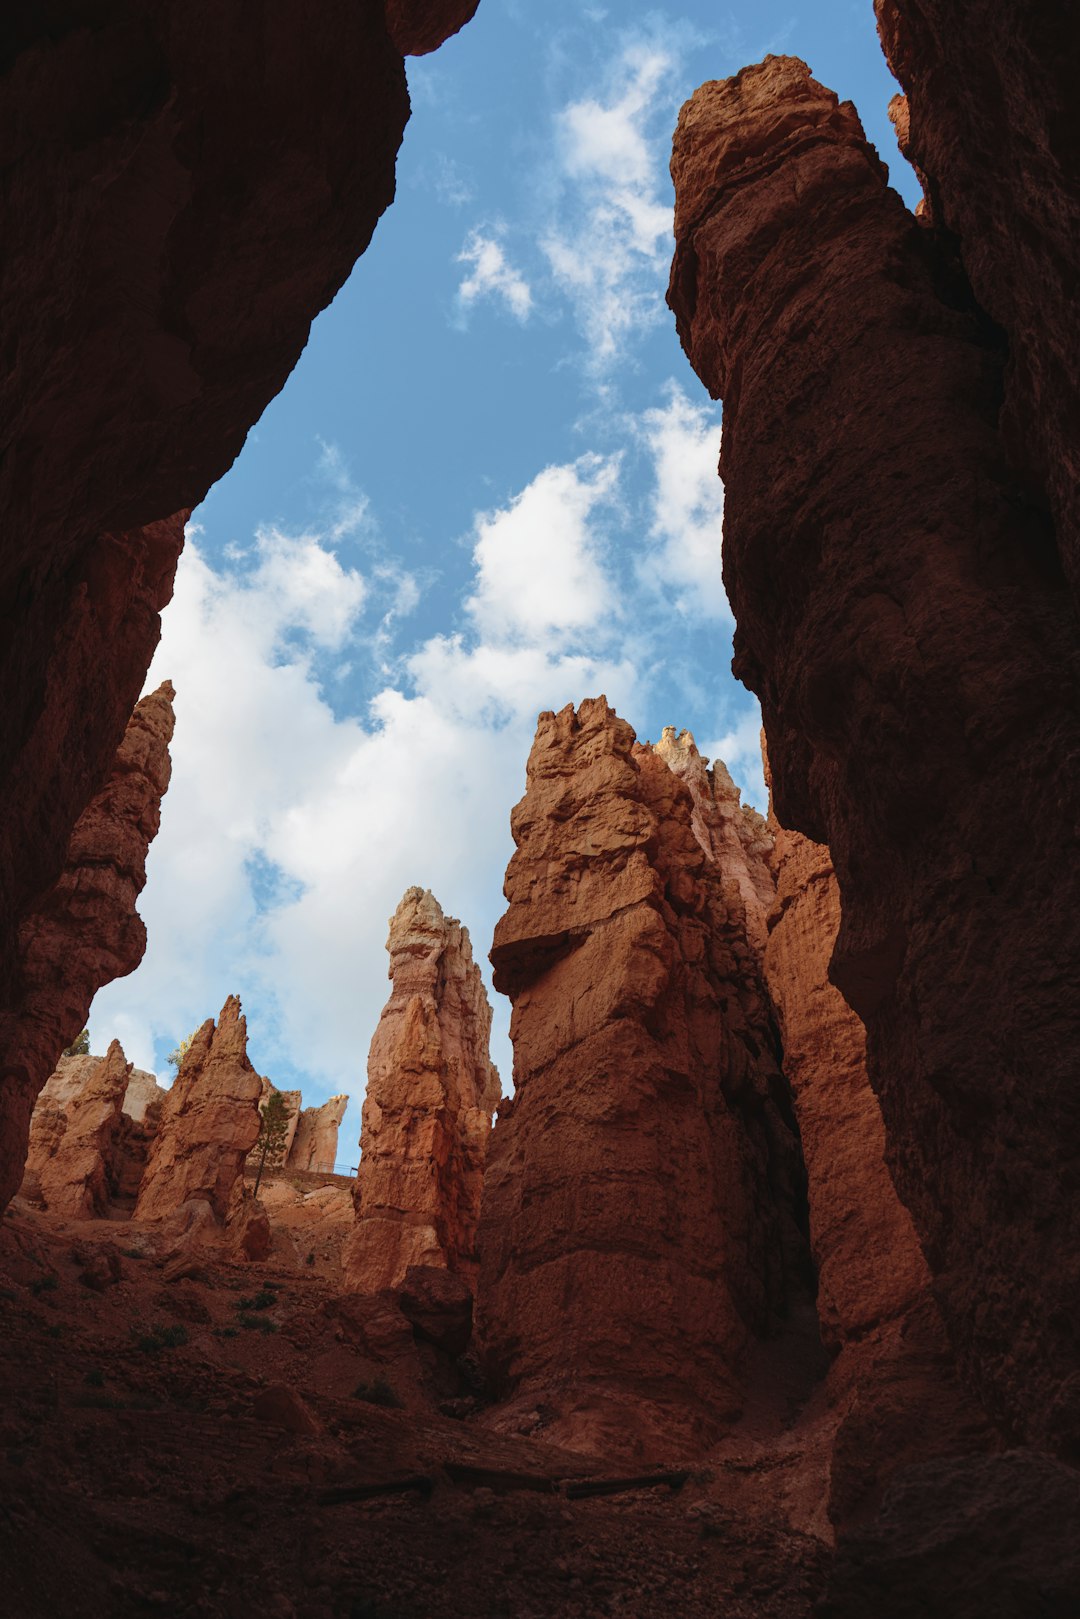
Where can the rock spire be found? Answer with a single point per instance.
(432, 1089)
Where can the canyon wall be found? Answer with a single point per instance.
(84, 931)
(639, 1219)
(903, 617)
(184, 186)
(432, 1089)
(210, 1124)
(990, 122)
(315, 1144)
(892, 1385)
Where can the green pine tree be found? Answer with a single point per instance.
(270, 1147)
(80, 1046)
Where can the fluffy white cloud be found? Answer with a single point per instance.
(683, 440)
(492, 276)
(610, 240)
(539, 574)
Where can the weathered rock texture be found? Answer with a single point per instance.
(638, 1223)
(991, 126)
(84, 931)
(210, 1125)
(432, 1089)
(292, 1100)
(71, 1160)
(184, 186)
(892, 1384)
(315, 1143)
(144, 1099)
(902, 616)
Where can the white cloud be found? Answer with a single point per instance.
(740, 749)
(538, 569)
(683, 440)
(609, 243)
(492, 276)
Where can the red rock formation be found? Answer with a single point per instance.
(84, 931)
(419, 26)
(144, 1099)
(892, 1385)
(74, 1133)
(185, 185)
(991, 126)
(210, 1124)
(426, 1120)
(916, 656)
(636, 1228)
(292, 1101)
(315, 1143)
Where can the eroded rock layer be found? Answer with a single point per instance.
(638, 1224)
(914, 647)
(85, 931)
(432, 1090)
(210, 1124)
(185, 185)
(315, 1144)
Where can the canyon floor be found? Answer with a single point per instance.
(184, 1446)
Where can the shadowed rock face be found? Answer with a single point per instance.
(315, 1144)
(210, 1124)
(903, 618)
(892, 1386)
(85, 931)
(432, 1089)
(637, 1226)
(991, 124)
(185, 186)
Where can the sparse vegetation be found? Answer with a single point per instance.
(310, 1260)
(264, 1299)
(226, 1332)
(95, 1378)
(79, 1047)
(159, 1337)
(132, 1253)
(377, 1392)
(179, 1051)
(258, 1323)
(44, 1284)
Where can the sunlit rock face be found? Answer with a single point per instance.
(902, 617)
(638, 1224)
(84, 931)
(432, 1090)
(315, 1144)
(210, 1124)
(892, 1386)
(186, 185)
(990, 124)
(74, 1135)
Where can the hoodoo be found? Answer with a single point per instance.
(432, 1089)
(72, 1159)
(902, 612)
(315, 1144)
(85, 931)
(639, 1221)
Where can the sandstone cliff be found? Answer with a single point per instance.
(210, 1124)
(315, 1144)
(71, 1160)
(292, 1100)
(432, 1089)
(638, 1224)
(185, 186)
(900, 615)
(85, 931)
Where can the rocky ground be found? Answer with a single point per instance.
(183, 1447)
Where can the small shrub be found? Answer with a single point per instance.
(258, 1323)
(132, 1253)
(264, 1299)
(159, 1337)
(95, 1378)
(226, 1332)
(377, 1393)
(56, 1331)
(310, 1260)
(44, 1284)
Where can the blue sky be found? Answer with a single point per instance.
(488, 488)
